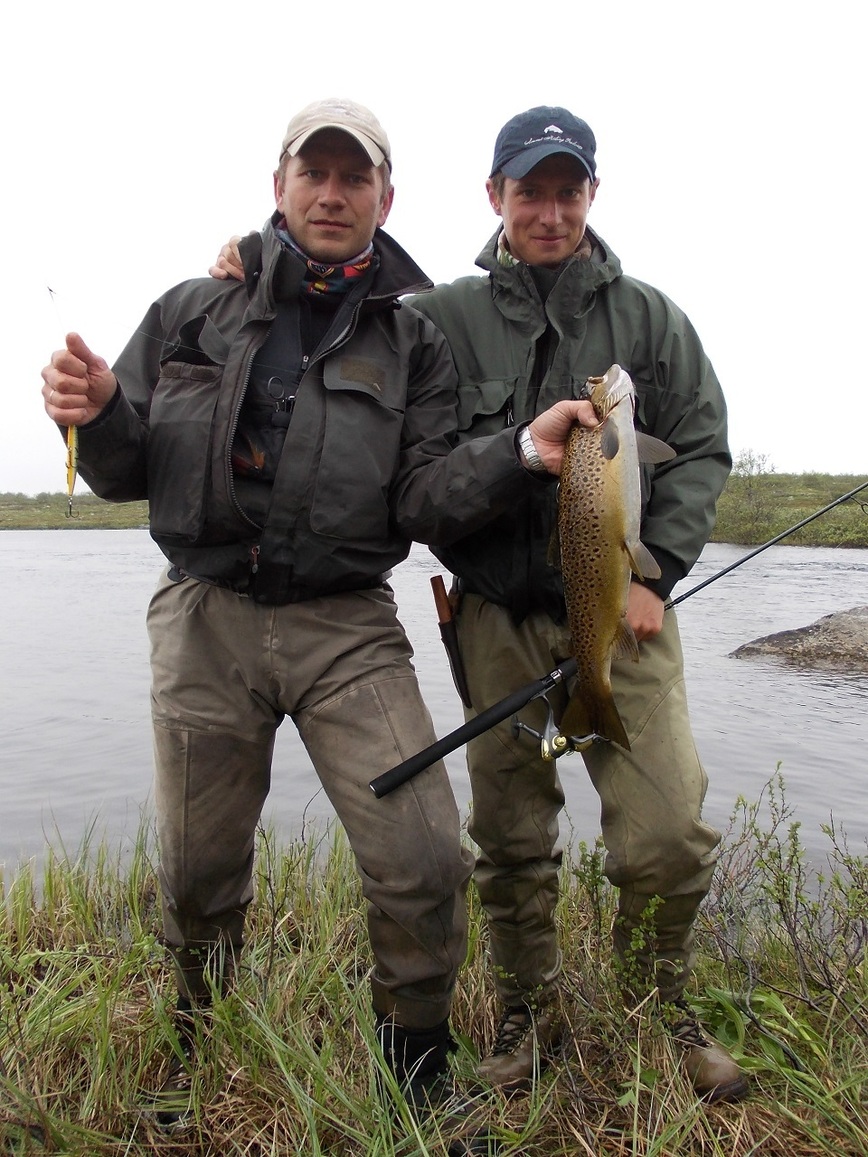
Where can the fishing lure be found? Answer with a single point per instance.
(71, 434)
(71, 465)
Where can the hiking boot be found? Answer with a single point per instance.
(524, 1044)
(712, 1071)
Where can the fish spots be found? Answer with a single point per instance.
(598, 513)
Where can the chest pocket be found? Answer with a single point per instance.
(485, 407)
(181, 425)
(199, 343)
(364, 417)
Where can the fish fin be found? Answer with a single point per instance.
(624, 645)
(610, 441)
(576, 719)
(594, 715)
(652, 449)
(643, 564)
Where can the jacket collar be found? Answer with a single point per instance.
(397, 274)
(515, 292)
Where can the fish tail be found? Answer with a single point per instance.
(594, 714)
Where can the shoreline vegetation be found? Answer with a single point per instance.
(756, 505)
(288, 1068)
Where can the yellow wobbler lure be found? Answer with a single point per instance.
(71, 432)
(71, 465)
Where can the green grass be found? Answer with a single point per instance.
(85, 1000)
(756, 505)
(51, 512)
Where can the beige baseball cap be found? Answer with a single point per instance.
(346, 115)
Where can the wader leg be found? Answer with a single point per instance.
(210, 790)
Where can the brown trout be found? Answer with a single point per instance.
(598, 527)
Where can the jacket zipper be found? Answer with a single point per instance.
(307, 362)
(233, 427)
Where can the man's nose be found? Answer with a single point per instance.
(332, 191)
(550, 211)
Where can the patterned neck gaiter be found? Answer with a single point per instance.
(331, 279)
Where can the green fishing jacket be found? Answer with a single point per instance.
(517, 355)
(366, 464)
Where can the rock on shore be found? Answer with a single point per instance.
(836, 642)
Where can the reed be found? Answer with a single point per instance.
(288, 1066)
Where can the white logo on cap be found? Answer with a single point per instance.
(553, 129)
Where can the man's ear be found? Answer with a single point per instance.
(493, 198)
(386, 206)
(277, 189)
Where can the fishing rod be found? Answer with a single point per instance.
(765, 546)
(501, 710)
(493, 715)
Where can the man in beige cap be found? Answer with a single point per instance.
(293, 433)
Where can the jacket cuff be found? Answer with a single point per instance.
(106, 412)
(672, 572)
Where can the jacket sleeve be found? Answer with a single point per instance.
(112, 449)
(685, 408)
(441, 490)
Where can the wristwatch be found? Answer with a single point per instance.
(529, 452)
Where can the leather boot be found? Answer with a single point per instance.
(712, 1071)
(525, 1042)
(419, 1058)
(415, 1056)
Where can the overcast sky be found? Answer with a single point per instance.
(730, 151)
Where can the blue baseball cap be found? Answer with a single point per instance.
(538, 133)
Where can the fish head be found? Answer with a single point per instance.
(609, 390)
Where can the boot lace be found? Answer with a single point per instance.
(687, 1030)
(514, 1026)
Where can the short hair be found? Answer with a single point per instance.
(498, 181)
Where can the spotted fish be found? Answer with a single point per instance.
(598, 528)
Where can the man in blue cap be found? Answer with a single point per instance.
(554, 309)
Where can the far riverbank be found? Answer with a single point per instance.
(756, 505)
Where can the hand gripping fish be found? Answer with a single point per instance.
(598, 527)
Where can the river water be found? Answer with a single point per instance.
(76, 750)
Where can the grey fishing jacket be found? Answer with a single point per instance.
(366, 465)
(516, 355)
